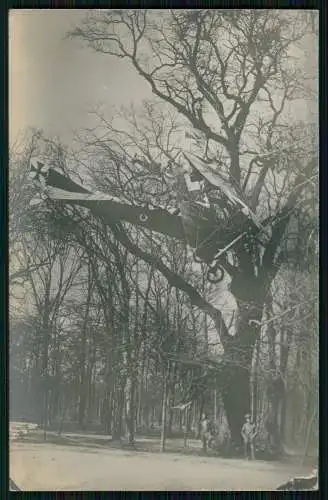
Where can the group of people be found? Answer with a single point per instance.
(248, 434)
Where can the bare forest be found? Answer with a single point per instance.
(124, 331)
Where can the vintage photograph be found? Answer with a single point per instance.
(163, 249)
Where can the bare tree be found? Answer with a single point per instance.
(49, 285)
(229, 75)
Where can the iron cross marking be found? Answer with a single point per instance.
(40, 172)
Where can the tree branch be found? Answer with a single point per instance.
(283, 219)
(175, 281)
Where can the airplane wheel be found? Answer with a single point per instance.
(214, 276)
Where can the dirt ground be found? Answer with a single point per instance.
(52, 466)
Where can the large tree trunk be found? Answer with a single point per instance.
(236, 372)
(237, 401)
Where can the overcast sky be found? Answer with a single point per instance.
(53, 82)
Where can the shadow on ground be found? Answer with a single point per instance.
(92, 442)
(95, 443)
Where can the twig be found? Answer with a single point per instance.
(260, 323)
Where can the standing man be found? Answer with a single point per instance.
(205, 431)
(248, 434)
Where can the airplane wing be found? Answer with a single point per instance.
(194, 225)
(59, 187)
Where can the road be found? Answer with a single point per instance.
(49, 467)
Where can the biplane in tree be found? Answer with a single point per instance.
(241, 217)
